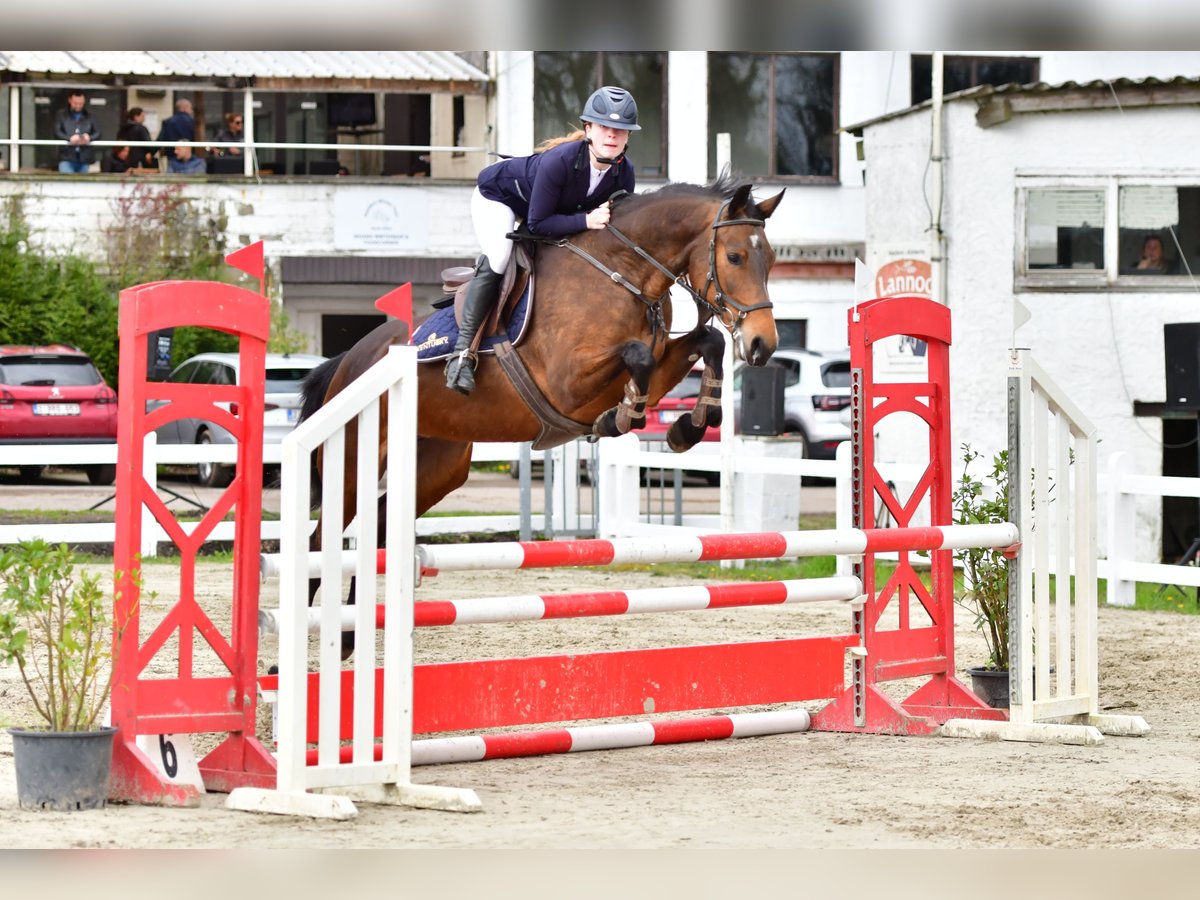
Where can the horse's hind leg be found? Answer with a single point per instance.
(639, 360)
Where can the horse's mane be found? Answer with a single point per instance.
(719, 189)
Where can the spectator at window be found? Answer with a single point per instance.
(179, 127)
(119, 159)
(231, 132)
(76, 126)
(1153, 260)
(134, 129)
(185, 163)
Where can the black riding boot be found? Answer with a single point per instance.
(460, 368)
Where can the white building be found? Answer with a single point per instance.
(791, 119)
(1050, 192)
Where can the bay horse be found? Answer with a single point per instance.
(598, 347)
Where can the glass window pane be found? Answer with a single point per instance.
(804, 115)
(1064, 229)
(1010, 70)
(739, 103)
(642, 75)
(1151, 219)
(561, 85)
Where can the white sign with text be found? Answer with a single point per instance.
(380, 218)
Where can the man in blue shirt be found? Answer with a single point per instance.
(185, 163)
(179, 127)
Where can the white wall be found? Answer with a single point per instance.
(1103, 348)
(292, 218)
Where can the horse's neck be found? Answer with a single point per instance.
(669, 236)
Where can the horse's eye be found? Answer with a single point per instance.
(734, 258)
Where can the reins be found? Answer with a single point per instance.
(722, 302)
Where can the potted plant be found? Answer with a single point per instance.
(985, 572)
(55, 625)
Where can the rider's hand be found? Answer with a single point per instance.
(598, 217)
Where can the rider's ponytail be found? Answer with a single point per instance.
(551, 143)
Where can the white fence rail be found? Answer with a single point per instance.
(627, 513)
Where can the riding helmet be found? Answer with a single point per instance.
(611, 106)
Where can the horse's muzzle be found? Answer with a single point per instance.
(757, 352)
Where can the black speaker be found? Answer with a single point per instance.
(158, 353)
(1181, 354)
(762, 400)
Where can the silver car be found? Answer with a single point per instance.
(816, 393)
(285, 373)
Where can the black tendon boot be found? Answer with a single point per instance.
(460, 368)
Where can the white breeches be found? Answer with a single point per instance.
(493, 220)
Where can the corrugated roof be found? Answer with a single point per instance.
(1038, 87)
(388, 65)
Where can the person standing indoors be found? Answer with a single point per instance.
(134, 129)
(179, 127)
(231, 132)
(562, 188)
(76, 126)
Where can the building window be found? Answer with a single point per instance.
(562, 83)
(962, 72)
(780, 111)
(1124, 234)
(1168, 215)
(1065, 229)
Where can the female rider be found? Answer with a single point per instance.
(562, 188)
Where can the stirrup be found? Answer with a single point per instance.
(460, 376)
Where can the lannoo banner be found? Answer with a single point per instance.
(901, 271)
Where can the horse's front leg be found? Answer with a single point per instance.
(639, 360)
(687, 431)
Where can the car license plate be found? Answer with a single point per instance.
(667, 416)
(56, 409)
(293, 416)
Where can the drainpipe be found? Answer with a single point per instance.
(14, 128)
(249, 155)
(937, 257)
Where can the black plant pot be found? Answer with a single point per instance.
(62, 770)
(990, 686)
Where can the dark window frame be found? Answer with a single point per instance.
(920, 62)
(638, 152)
(771, 176)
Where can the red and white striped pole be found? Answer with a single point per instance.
(509, 745)
(686, 548)
(524, 608)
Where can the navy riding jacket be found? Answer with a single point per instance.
(549, 190)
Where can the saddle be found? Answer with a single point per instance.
(518, 276)
(456, 280)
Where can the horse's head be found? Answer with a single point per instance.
(739, 261)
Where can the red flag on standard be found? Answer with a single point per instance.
(398, 303)
(248, 259)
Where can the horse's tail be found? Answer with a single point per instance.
(316, 385)
(312, 396)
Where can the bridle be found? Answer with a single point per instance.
(728, 310)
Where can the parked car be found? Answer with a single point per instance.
(816, 392)
(54, 394)
(285, 373)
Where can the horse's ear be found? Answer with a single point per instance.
(737, 203)
(766, 207)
